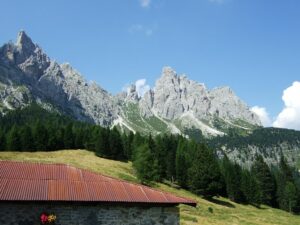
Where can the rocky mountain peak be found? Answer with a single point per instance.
(24, 42)
(168, 72)
(132, 94)
(175, 104)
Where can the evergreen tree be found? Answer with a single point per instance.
(232, 175)
(181, 163)
(128, 145)
(2, 141)
(68, 136)
(26, 138)
(116, 145)
(79, 138)
(145, 165)
(250, 188)
(266, 183)
(171, 146)
(102, 143)
(286, 187)
(290, 193)
(40, 136)
(14, 140)
(204, 176)
(161, 155)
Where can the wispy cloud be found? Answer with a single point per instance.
(145, 3)
(138, 28)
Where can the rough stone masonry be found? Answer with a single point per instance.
(77, 214)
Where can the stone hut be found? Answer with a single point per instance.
(35, 194)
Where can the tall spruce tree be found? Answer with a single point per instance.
(181, 163)
(290, 196)
(204, 176)
(145, 165)
(14, 140)
(102, 146)
(26, 138)
(265, 180)
(232, 173)
(40, 136)
(171, 146)
(250, 188)
(2, 141)
(68, 136)
(116, 145)
(285, 186)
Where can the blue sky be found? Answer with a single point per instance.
(253, 46)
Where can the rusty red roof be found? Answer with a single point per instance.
(22, 181)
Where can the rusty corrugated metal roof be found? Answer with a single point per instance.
(22, 181)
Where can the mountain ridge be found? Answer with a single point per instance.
(175, 104)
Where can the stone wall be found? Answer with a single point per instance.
(76, 214)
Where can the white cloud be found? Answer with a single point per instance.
(289, 117)
(263, 115)
(142, 87)
(145, 3)
(138, 28)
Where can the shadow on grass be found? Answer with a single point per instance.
(220, 202)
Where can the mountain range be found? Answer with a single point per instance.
(175, 105)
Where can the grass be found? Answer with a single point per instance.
(219, 212)
(143, 125)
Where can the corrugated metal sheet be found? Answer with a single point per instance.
(20, 181)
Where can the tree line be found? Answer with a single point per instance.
(164, 158)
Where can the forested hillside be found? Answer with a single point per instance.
(270, 143)
(164, 158)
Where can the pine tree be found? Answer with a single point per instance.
(266, 183)
(145, 165)
(102, 143)
(181, 163)
(40, 136)
(171, 146)
(161, 155)
(68, 136)
(232, 173)
(250, 188)
(2, 141)
(204, 176)
(290, 193)
(285, 186)
(79, 138)
(26, 138)
(14, 140)
(128, 145)
(116, 145)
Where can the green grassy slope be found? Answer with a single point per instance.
(222, 211)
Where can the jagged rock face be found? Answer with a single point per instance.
(25, 65)
(174, 96)
(94, 101)
(27, 74)
(226, 105)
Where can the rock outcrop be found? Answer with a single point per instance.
(175, 104)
